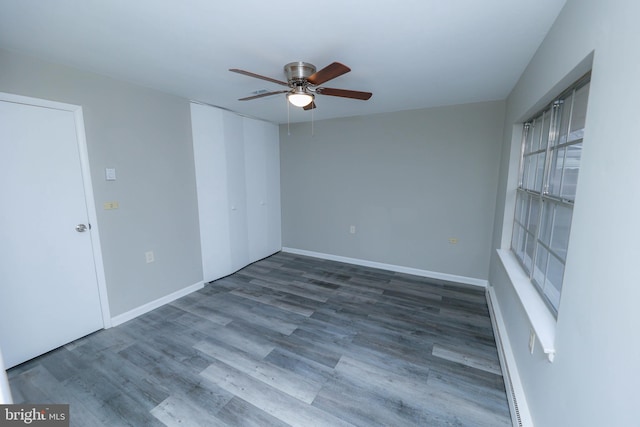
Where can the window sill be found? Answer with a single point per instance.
(540, 317)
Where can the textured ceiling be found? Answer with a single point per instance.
(409, 53)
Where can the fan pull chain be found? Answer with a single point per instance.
(288, 118)
(312, 113)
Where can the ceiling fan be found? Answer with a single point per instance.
(304, 83)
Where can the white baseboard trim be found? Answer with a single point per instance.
(520, 415)
(391, 267)
(145, 308)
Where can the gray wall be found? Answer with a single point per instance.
(408, 181)
(594, 378)
(146, 136)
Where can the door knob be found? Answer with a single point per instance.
(81, 228)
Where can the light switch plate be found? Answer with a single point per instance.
(110, 174)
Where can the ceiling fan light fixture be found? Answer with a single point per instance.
(300, 98)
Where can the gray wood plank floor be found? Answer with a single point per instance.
(287, 341)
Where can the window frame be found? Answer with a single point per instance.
(533, 192)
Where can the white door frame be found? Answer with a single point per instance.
(88, 189)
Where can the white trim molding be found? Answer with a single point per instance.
(539, 315)
(391, 267)
(145, 308)
(520, 415)
(5, 390)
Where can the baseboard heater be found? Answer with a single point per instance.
(518, 407)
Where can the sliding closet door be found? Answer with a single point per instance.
(262, 167)
(238, 180)
(209, 151)
(236, 190)
(274, 218)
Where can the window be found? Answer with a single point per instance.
(549, 166)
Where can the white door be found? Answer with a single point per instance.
(211, 182)
(49, 292)
(262, 166)
(236, 192)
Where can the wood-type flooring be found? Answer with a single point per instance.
(287, 341)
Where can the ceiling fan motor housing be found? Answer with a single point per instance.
(298, 71)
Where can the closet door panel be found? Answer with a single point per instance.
(238, 182)
(212, 187)
(236, 190)
(272, 158)
(256, 184)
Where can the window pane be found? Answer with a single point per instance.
(521, 208)
(565, 114)
(539, 171)
(522, 241)
(545, 129)
(534, 212)
(531, 178)
(530, 244)
(553, 286)
(514, 236)
(528, 137)
(523, 173)
(579, 113)
(547, 222)
(517, 241)
(557, 166)
(537, 128)
(518, 206)
(541, 266)
(571, 169)
(528, 177)
(560, 232)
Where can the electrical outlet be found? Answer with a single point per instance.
(149, 256)
(110, 205)
(352, 229)
(453, 240)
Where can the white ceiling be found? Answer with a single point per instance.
(410, 53)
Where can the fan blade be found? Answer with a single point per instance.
(329, 72)
(258, 76)
(261, 95)
(309, 106)
(354, 94)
